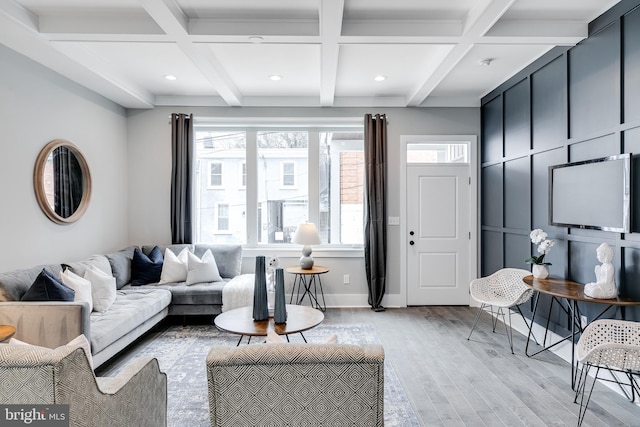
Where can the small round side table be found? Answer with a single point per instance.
(6, 332)
(305, 279)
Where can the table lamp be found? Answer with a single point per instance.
(306, 234)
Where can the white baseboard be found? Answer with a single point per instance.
(356, 300)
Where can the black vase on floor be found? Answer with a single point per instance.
(280, 313)
(260, 307)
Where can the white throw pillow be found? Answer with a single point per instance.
(103, 288)
(80, 285)
(79, 341)
(174, 268)
(202, 270)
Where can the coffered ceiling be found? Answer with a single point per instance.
(327, 52)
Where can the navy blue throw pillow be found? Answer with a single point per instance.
(146, 269)
(47, 287)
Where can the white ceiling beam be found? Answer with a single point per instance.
(98, 23)
(478, 23)
(19, 31)
(529, 31)
(331, 12)
(174, 22)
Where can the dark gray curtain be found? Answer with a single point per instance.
(182, 151)
(375, 210)
(67, 182)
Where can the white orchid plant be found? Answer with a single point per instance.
(539, 237)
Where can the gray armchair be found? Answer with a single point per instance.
(137, 396)
(296, 384)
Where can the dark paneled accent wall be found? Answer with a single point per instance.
(570, 105)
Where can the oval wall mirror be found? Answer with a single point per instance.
(62, 182)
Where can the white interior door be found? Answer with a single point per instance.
(438, 227)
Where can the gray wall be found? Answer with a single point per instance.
(150, 167)
(571, 105)
(37, 106)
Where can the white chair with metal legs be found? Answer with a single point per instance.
(612, 345)
(503, 290)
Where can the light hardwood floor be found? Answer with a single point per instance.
(455, 382)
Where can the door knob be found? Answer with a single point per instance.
(411, 233)
(411, 242)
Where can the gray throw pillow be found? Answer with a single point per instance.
(121, 265)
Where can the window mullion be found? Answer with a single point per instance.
(252, 187)
(314, 176)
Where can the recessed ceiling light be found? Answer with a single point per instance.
(256, 39)
(275, 77)
(380, 78)
(170, 77)
(486, 62)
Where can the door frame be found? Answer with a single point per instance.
(474, 214)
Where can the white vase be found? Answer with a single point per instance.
(540, 271)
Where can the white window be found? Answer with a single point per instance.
(215, 174)
(223, 217)
(437, 152)
(228, 149)
(243, 175)
(294, 174)
(288, 174)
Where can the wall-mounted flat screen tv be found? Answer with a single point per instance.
(593, 194)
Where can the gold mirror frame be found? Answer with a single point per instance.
(39, 182)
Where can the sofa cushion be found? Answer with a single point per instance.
(15, 283)
(47, 287)
(228, 258)
(181, 293)
(174, 267)
(80, 285)
(131, 308)
(176, 249)
(121, 265)
(99, 261)
(146, 269)
(202, 270)
(103, 288)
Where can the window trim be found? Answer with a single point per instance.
(294, 175)
(209, 175)
(251, 127)
(228, 217)
(243, 175)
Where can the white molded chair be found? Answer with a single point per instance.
(608, 344)
(504, 289)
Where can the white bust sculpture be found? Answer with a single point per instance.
(605, 285)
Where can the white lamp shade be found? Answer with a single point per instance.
(306, 234)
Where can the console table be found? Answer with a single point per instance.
(572, 293)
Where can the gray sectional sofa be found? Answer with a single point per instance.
(135, 310)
